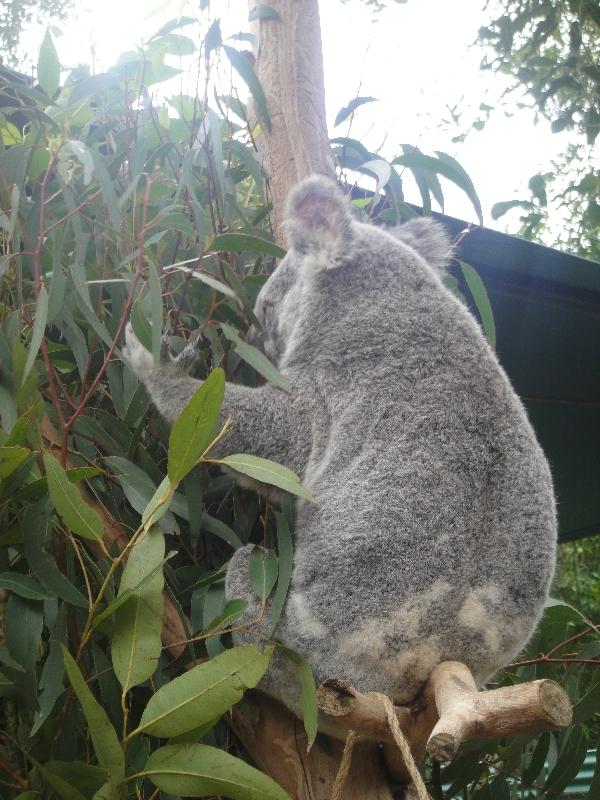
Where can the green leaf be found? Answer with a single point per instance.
(108, 190)
(346, 111)
(86, 777)
(448, 167)
(588, 705)
(22, 585)
(246, 72)
(106, 744)
(263, 11)
(62, 788)
(265, 471)
(220, 529)
(499, 209)
(537, 187)
(569, 762)
(233, 611)
(48, 66)
(194, 429)
(136, 641)
(205, 692)
(308, 693)
(10, 135)
(197, 770)
(43, 566)
(129, 594)
(159, 504)
(262, 568)
(37, 334)
(11, 459)
(139, 488)
(482, 301)
(255, 358)
(244, 242)
(68, 502)
(285, 561)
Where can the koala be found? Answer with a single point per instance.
(433, 532)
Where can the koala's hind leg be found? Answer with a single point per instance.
(281, 680)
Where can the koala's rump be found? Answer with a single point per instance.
(425, 550)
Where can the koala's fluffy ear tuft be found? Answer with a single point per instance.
(428, 238)
(319, 221)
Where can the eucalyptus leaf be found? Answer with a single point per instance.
(106, 744)
(136, 641)
(205, 692)
(244, 69)
(266, 471)
(197, 770)
(195, 427)
(48, 66)
(68, 502)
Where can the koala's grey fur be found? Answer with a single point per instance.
(433, 532)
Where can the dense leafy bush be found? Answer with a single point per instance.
(122, 202)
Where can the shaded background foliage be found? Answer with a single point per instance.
(123, 198)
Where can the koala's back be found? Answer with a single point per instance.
(433, 535)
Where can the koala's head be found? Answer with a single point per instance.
(332, 253)
(320, 231)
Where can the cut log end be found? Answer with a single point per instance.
(443, 746)
(556, 705)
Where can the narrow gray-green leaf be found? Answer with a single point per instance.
(346, 111)
(37, 334)
(244, 242)
(68, 502)
(136, 640)
(48, 66)
(159, 504)
(446, 166)
(255, 358)
(244, 69)
(41, 563)
(262, 568)
(22, 585)
(197, 770)
(195, 427)
(230, 614)
(286, 556)
(482, 301)
(11, 459)
(106, 744)
(261, 469)
(205, 692)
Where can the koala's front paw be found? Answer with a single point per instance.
(185, 360)
(136, 356)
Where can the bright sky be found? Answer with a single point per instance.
(418, 58)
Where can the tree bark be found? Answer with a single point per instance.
(290, 69)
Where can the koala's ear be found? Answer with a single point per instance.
(319, 221)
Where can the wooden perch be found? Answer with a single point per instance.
(464, 713)
(450, 711)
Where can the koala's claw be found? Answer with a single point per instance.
(165, 349)
(186, 358)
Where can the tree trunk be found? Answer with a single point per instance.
(290, 69)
